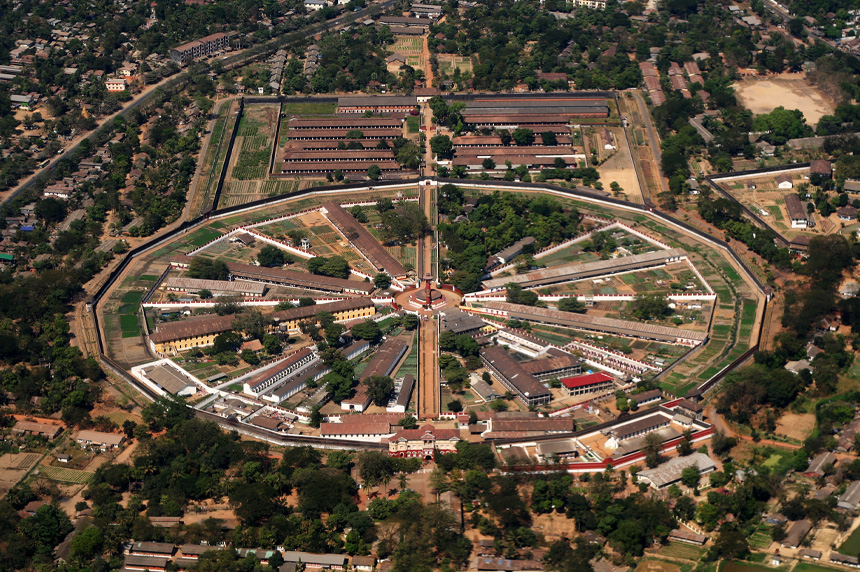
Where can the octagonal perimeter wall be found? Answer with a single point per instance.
(581, 194)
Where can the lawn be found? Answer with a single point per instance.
(810, 567)
(851, 546)
(202, 236)
(323, 108)
(412, 123)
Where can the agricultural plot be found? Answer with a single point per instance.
(680, 550)
(249, 163)
(412, 49)
(324, 239)
(64, 475)
(448, 62)
(213, 157)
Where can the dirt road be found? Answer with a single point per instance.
(428, 374)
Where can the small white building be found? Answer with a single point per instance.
(314, 5)
(784, 182)
(116, 84)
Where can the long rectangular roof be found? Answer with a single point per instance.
(363, 240)
(271, 372)
(300, 279)
(345, 121)
(301, 379)
(168, 378)
(550, 364)
(199, 326)
(795, 207)
(581, 270)
(196, 284)
(406, 390)
(385, 358)
(377, 100)
(207, 325)
(596, 323)
(375, 133)
(513, 371)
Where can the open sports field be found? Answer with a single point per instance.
(791, 91)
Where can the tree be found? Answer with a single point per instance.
(379, 387)
(650, 306)
(271, 344)
(731, 544)
(367, 330)
(252, 324)
(374, 172)
(405, 222)
(442, 146)
(690, 477)
(571, 304)
(207, 269)
(523, 137)
(204, 294)
(270, 256)
(382, 281)
(88, 544)
(488, 164)
(304, 302)
(549, 139)
(455, 406)
(50, 210)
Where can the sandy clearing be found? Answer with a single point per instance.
(796, 425)
(792, 91)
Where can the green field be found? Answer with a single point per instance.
(680, 550)
(851, 546)
(132, 298)
(323, 108)
(412, 123)
(810, 567)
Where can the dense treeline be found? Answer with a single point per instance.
(498, 221)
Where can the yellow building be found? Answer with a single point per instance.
(173, 337)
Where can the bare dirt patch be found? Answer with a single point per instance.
(554, 526)
(791, 91)
(796, 425)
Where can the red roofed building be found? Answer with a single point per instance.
(591, 383)
(424, 442)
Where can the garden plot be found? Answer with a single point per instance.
(324, 239)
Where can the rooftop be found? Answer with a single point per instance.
(572, 271)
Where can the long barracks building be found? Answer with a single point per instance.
(590, 323)
(172, 337)
(363, 241)
(510, 372)
(293, 279)
(585, 270)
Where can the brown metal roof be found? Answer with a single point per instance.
(513, 371)
(347, 122)
(364, 241)
(385, 358)
(299, 279)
